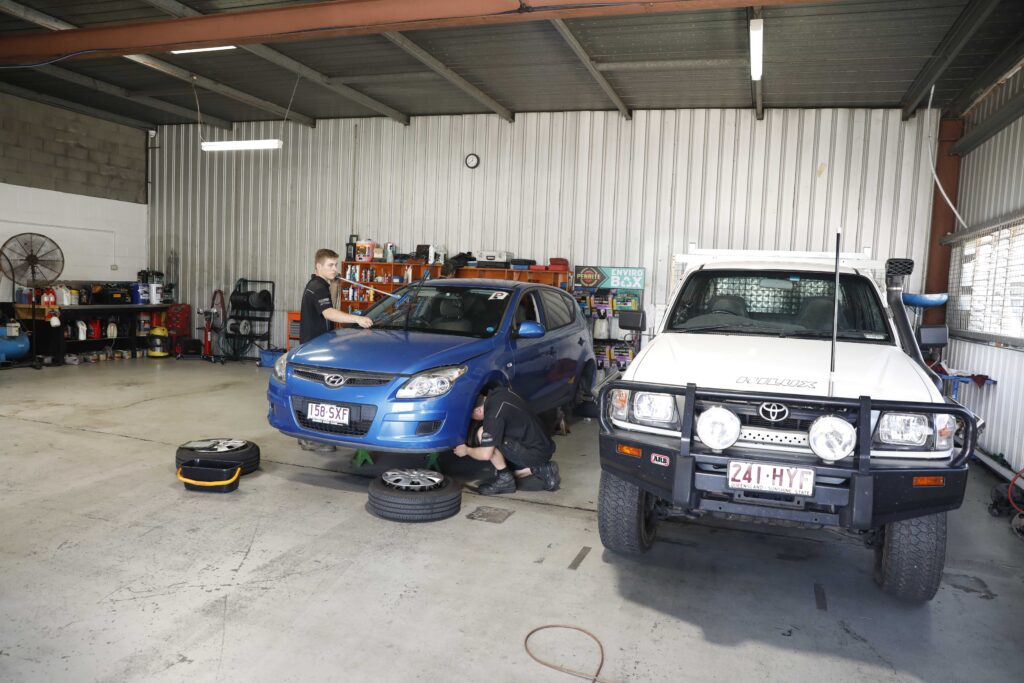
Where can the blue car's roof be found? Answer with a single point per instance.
(480, 282)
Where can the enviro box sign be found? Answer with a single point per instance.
(605, 277)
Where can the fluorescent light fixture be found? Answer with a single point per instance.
(232, 145)
(218, 48)
(756, 48)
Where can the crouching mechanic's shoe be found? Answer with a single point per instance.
(548, 473)
(503, 482)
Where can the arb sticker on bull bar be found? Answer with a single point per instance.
(659, 459)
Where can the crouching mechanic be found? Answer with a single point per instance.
(511, 438)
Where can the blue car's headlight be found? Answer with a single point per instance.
(279, 368)
(430, 383)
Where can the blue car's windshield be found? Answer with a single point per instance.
(463, 311)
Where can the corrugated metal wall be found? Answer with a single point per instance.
(1001, 404)
(992, 176)
(992, 187)
(588, 186)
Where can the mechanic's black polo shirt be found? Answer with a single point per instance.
(511, 427)
(316, 299)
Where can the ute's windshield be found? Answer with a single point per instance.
(463, 311)
(779, 304)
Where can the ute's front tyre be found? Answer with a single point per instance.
(910, 556)
(626, 517)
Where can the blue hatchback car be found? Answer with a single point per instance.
(408, 384)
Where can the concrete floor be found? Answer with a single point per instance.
(110, 571)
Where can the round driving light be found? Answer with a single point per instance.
(718, 428)
(832, 438)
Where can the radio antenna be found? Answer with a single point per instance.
(835, 315)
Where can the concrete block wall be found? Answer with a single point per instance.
(53, 149)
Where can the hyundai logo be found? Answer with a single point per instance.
(773, 412)
(334, 380)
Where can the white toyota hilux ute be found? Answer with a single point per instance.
(739, 408)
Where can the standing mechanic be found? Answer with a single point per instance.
(511, 438)
(317, 310)
(318, 313)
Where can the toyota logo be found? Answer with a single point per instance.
(773, 412)
(334, 380)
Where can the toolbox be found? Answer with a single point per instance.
(494, 257)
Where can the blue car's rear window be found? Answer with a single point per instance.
(463, 311)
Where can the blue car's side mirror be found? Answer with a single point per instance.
(529, 329)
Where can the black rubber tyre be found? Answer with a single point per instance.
(626, 520)
(910, 556)
(414, 506)
(246, 453)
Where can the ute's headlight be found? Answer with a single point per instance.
(718, 428)
(436, 382)
(945, 429)
(904, 429)
(832, 438)
(648, 407)
(618, 404)
(280, 365)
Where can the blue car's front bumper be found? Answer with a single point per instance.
(377, 421)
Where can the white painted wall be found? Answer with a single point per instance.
(94, 234)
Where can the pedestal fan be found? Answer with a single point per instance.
(32, 260)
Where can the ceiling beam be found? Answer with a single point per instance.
(963, 29)
(34, 96)
(64, 28)
(455, 79)
(118, 91)
(177, 9)
(315, 21)
(582, 55)
(1011, 110)
(671, 64)
(1010, 57)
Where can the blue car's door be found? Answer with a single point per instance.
(532, 357)
(565, 340)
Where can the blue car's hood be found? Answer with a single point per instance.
(390, 351)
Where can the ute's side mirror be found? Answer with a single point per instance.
(932, 336)
(529, 329)
(633, 320)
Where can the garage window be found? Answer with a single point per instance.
(987, 284)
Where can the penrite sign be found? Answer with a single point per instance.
(604, 277)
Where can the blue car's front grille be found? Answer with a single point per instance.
(360, 417)
(347, 378)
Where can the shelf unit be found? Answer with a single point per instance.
(562, 279)
(364, 298)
